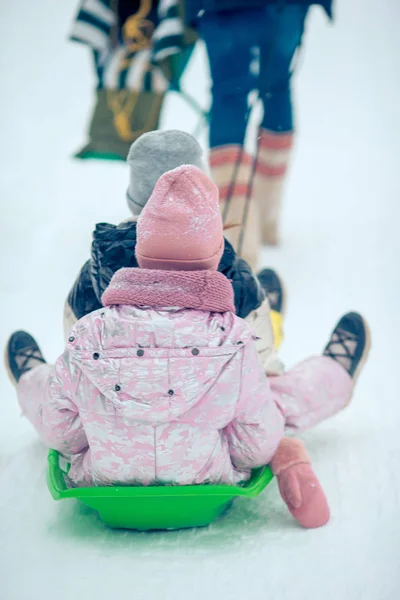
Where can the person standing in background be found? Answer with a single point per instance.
(251, 45)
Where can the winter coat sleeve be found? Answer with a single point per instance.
(68, 433)
(260, 322)
(248, 292)
(82, 298)
(57, 418)
(258, 424)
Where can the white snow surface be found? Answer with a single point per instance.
(340, 252)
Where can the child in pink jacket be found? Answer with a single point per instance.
(164, 385)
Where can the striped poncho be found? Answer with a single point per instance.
(124, 62)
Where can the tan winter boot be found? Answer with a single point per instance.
(272, 162)
(231, 170)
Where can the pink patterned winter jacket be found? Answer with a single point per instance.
(163, 394)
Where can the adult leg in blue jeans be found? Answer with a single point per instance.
(230, 38)
(284, 27)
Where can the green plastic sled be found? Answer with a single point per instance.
(155, 507)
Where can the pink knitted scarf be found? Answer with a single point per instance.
(201, 290)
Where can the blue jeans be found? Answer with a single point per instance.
(251, 50)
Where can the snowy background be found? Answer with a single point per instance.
(341, 251)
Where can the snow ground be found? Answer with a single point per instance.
(341, 251)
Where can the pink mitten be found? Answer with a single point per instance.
(299, 485)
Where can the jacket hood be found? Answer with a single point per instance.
(160, 384)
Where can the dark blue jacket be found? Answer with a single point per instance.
(113, 247)
(193, 7)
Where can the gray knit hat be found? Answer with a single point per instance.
(152, 155)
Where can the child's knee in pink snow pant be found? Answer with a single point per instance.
(312, 391)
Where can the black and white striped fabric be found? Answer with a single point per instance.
(93, 26)
(168, 38)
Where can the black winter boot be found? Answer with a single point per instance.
(22, 355)
(350, 343)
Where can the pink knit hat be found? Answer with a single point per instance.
(180, 228)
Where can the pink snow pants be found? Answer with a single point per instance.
(314, 390)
